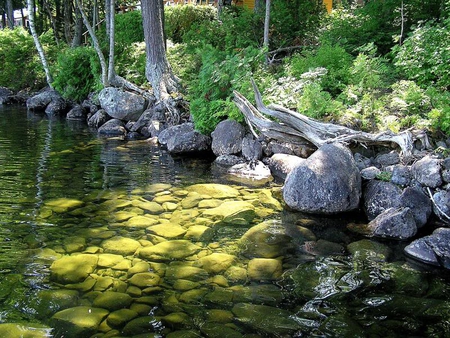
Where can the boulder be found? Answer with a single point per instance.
(327, 182)
(189, 142)
(6, 96)
(379, 196)
(228, 160)
(427, 171)
(120, 104)
(251, 148)
(170, 250)
(401, 174)
(227, 138)
(442, 204)
(73, 269)
(112, 301)
(41, 101)
(433, 249)
(281, 165)
(172, 132)
(370, 173)
(21, 330)
(98, 119)
(76, 113)
(419, 204)
(112, 127)
(394, 223)
(388, 159)
(81, 321)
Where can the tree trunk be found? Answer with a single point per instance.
(157, 70)
(10, 13)
(78, 30)
(266, 29)
(112, 14)
(38, 44)
(68, 20)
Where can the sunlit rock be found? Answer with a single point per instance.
(112, 301)
(327, 182)
(19, 330)
(109, 260)
(140, 325)
(177, 320)
(199, 233)
(192, 200)
(115, 204)
(141, 221)
(269, 320)
(145, 279)
(84, 286)
(185, 285)
(73, 269)
(168, 230)
(103, 283)
(150, 207)
(74, 244)
(120, 317)
(264, 269)
(121, 245)
(236, 274)
(46, 302)
(183, 271)
(217, 262)
(380, 196)
(62, 205)
(193, 296)
(214, 190)
(266, 240)
(183, 216)
(176, 249)
(81, 321)
(394, 223)
(237, 212)
(138, 267)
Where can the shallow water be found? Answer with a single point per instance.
(107, 238)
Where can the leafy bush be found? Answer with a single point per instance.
(180, 19)
(334, 58)
(77, 73)
(129, 28)
(130, 63)
(440, 114)
(20, 66)
(317, 103)
(424, 55)
(219, 75)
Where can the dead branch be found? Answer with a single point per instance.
(293, 126)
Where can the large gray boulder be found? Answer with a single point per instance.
(189, 142)
(227, 138)
(112, 127)
(394, 223)
(427, 171)
(433, 249)
(419, 203)
(327, 182)
(120, 104)
(441, 205)
(282, 164)
(380, 196)
(48, 101)
(174, 131)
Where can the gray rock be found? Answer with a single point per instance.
(401, 174)
(427, 171)
(40, 101)
(228, 160)
(143, 120)
(227, 138)
(385, 160)
(112, 127)
(57, 107)
(419, 203)
(251, 148)
(98, 119)
(76, 113)
(446, 175)
(120, 104)
(327, 182)
(394, 223)
(433, 249)
(254, 170)
(362, 162)
(379, 196)
(189, 142)
(441, 203)
(370, 173)
(172, 132)
(6, 96)
(282, 164)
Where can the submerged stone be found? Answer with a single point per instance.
(47, 302)
(145, 279)
(167, 230)
(120, 317)
(264, 269)
(141, 221)
(176, 249)
(19, 330)
(121, 245)
(183, 271)
(217, 262)
(62, 205)
(112, 301)
(81, 321)
(73, 269)
(214, 190)
(239, 212)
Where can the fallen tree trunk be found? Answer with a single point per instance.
(293, 127)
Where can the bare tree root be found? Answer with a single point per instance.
(294, 127)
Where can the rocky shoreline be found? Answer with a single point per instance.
(398, 199)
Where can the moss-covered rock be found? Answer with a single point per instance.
(76, 322)
(170, 250)
(73, 269)
(19, 330)
(215, 190)
(120, 245)
(217, 262)
(232, 212)
(112, 300)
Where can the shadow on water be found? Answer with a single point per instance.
(106, 238)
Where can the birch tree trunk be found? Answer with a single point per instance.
(38, 45)
(266, 29)
(10, 13)
(158, 71)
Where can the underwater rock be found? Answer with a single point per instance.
(217, 262)
(145, 279)
(166, 230)
(366, 249)
(63, 205)
(170, 250)
(219, 191)
(232, 212)
(112, 301)
(264, 269)
(47, 302)
(76, 322)
(73, 269)
(185, 271)
(120, 317)
(140, 326)
(120, 245)
(20, 330)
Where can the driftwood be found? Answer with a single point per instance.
(294, 127)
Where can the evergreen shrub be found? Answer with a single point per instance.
(77, 73)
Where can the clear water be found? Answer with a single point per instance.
(297, 276)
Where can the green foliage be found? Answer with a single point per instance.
(20, 66)
(317, 103)
(440, 114)
(333, 58)
(77, 73)
(129, 28)
(424, 56)
(219, 75)
(384, 176)
(180, 19)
